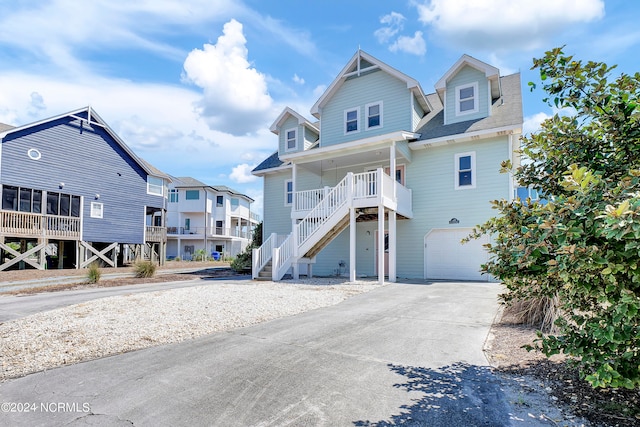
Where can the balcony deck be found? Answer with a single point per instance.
(370, 190)
(31, 225)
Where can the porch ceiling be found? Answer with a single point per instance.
(337, 160)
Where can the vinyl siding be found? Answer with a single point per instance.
(466, 76)
(277, 216)
(417, 113)
(356, 92)
(431, 177)
(89, 162)
(310, 137)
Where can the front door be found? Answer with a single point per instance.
(386, 252)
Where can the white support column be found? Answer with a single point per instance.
(381, 244)
(392, 246)
(392, 167)
(352, 245)
(294, 185)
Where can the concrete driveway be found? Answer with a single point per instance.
(407, 354)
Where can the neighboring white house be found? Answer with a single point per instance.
(332, 207)
(213, 218)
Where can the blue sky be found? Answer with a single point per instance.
(194, 86)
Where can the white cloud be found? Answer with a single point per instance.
(242, 174)
(394, 23)
(64, 29)
(532, 123)
(414, 45)
(499, 24)
(235, 98)
(298, 80)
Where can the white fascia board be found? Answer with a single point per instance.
(311, 155)
(464, 137)
(264, 172)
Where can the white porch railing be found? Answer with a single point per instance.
(308, 199)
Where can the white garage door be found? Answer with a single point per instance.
(447, 258)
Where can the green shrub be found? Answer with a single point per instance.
(93, 273)
(581, 243)
(145, 269)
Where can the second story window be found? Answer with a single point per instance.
(291, 142)
(155, 185)
(374, 115)
(351, 120)
(467, 99)
(173, 195)
(219, 201)
(288, 192)
(235, 203)
(192, 195)
(465, 171)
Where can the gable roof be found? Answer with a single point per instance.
(362, 62)
(92, 118)
(491, 72)
(506, 113)
(286, 113)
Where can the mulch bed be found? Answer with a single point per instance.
(601, 407)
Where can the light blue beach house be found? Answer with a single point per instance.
(386, 180)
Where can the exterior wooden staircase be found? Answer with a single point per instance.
(326, 221)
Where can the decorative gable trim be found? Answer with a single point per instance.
(360, 63)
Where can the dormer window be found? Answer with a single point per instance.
(467, 99)
(374, 115)
(291, 142)
(351, 119)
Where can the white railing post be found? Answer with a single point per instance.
(379, 184)
(254, 263)
(350, 189)
(275, 263)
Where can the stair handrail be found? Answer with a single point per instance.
(281, 255)
(334, 200)
(261, 256)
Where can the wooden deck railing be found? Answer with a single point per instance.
(26, 224)
(156, 234)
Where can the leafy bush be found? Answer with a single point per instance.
(243, 262)
(145, 269)
(200, 255)
(93, 273)
(583, 245)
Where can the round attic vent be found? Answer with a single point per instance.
(34, 154)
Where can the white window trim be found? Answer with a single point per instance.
(476, 99)
(366, 112)
(287, 192)
(97, 210)
(149, 185)
(286, 139)
(474, 171)
(357, 110)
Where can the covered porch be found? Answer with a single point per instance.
(360, 174)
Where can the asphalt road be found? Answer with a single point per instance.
(403, 354)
